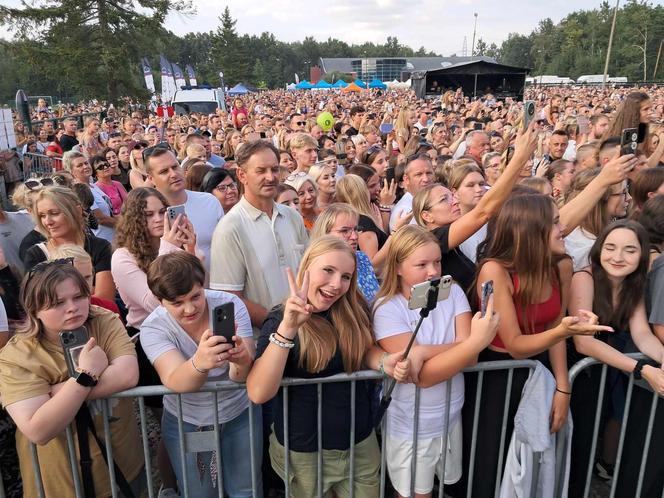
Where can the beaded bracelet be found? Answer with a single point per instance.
(281, 344)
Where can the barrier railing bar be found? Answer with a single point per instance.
(73, 462)
(217, 445)
(383, 459)
(446, 437)
(646, 448)
(146, 446)
(286, 445)
(598, 417)
(109, 447)
(35, 466)
(623, 430)
(503, 429)
(252, 453)
(183, 463)
(473, 444)
(416, 424)
(351, 480)
(319, 439)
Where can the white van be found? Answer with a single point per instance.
(197, 99)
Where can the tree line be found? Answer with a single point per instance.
(81, 49)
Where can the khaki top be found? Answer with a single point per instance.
(29, 367)
(250, 252)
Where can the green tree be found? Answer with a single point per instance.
(95, 44)
(228, 54)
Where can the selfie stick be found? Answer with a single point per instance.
(432, 301)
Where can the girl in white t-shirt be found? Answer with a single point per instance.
(447, 342)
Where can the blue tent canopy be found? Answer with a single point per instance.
(322, 84)
(360, 83)
(340, 84)
(376, 83)
(238, 89)
(304, 85)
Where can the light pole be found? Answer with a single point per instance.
(306, 70)
(608, 50)
(472, 49)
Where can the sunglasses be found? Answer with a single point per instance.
(151, 150)
(373, 149)
(295, 176)
(45, 265)
(102, 166)
(300, 123)
(37, 183)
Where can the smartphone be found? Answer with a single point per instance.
(262, 134)
(73, 342)
(478, 126)
(529, 113)
(584, 124)
(386, 128)
(371, 116)
(629, 141)
(342, 156)
(174, 211)
(223, 321)
(418, 293)
(389, 175)
(487, 292)
(643, 128)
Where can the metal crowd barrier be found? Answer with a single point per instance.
(194, 442)
(36, 165)
(574, 372)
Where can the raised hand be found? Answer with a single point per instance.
(388, 193)
(92, 358)
(483, 328)
(403, 219)
(616, 170)
(585, 323)
(212, 352)
(297, 310)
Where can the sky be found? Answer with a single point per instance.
(438, 25)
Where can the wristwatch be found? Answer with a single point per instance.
(637, 369)
(84, 378)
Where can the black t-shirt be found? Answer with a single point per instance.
(455, 262)
(67, 143)
(123, 178)
(32, 237)
(303, 404)
(99, 250)
(367, 224)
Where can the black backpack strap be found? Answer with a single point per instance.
(85, 461)
(84, 412)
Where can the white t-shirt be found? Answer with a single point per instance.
(577, 245)
(401, 208)
(394, 318)
(4, 323)
(204, 211)
(103, 203)
(160, 333)
(469, 246)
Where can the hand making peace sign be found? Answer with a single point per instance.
(297, 310)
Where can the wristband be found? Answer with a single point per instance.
(381, 363)
(564, 392)
(287, 339)
(638, 368)
(281, 344)
(196, 368)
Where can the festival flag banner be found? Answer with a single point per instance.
(147, 74)
(166, 80)
(178, 75)
(191, 74)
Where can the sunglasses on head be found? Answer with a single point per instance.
(45, 265)
(37, 183)
(295, 176)
(151, 150)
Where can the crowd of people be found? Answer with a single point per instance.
(310, 235)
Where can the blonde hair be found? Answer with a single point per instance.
(70, 205)
(403, 243)
(195, 150)
(350, 327)
(300, 180)
(70, 251)
(301, 140)
(352, 190)
(328, 217)
(317, 170)
(460, 172)
(421, 203)
(135, 166)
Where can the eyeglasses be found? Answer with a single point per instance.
(295, 176)
(101, 166)
(37, 183)
(300, 123)
(45, 265)
(446, 199)
(347, 231)
(151, 150)
(223, 188)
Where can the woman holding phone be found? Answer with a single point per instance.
(323, 329)
(43, 397)
(178, 340)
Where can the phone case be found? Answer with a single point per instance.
(71, 339)
(223, 321)
(418, 293)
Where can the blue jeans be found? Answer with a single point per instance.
(235, 456)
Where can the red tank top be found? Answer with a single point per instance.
(540, 314)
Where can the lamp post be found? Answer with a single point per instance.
(307, 76)
(608, 50)
(472, 50)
